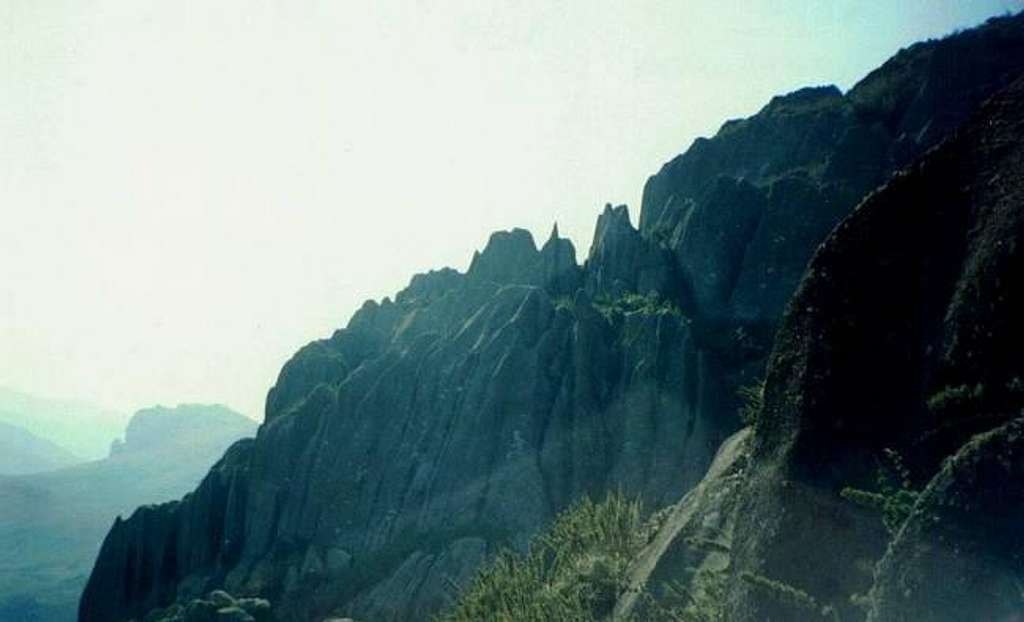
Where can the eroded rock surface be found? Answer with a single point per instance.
(903, 337)
(466, 412)
(960, 556)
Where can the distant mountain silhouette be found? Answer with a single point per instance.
(22, 452)
(84, 429)
(51, 524)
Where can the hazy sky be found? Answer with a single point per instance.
(190, 191)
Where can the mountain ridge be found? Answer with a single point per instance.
(876, 481)
(83, 429)
(52, 523)
(22, 452)
(399, 453)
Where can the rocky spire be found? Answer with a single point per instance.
(561, 274)
(509, 257)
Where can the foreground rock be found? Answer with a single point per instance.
(909, 302)
(693, 541)
(900, 345)
(959, 555)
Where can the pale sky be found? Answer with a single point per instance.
(190, 191)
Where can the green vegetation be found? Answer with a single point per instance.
(628, 304)
(895, 497)
(574, 571)
(790, 596)
(751, 402)
(662, 235)
(708, 545)
(701, 598)
(577, 570)
(684, 603)
(955, 397)
(565, 302)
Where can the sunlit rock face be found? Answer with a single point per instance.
(460, 416)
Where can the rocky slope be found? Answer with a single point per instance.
(396, 454)
(901, 345)
(744, 211)
(466, 412)
(907, 304)
(52, 524)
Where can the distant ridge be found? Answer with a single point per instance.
(84, 429)
(22, 452)
(51, 524)
(462, 415)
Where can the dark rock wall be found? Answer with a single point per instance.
(744, 211)
(904, 335)
(462, 415)
(433, 429)
(144, 557)
(961, 554)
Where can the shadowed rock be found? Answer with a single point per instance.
(959, 555)
(908, 303)
(465, 413)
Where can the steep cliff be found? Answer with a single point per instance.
(959, 554)
(462, 415)
(894, 368)
(433, 428)
(902, 337)
(744, 211)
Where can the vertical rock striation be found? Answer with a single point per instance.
(459, 417)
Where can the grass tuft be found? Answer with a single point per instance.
(574, 571)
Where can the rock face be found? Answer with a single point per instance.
(743, 212)
(52, 524)
(398, 453)
(623, 261)
(960, 554)
(901, 340)
(902, 337)
(706, 514)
